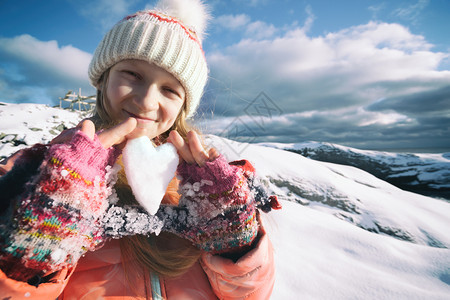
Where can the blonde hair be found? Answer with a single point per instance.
(153, 253)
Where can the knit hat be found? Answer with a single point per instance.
(168, 36)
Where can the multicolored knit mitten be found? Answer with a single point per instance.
(56, 219)
(218, 207)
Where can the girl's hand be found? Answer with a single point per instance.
(192, 150)
(109, 137)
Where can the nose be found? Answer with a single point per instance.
(147, 98)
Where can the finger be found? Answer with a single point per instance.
(79, 125)
(117, 134)
(213, 154)
(182, 147)
(66, 135)
(196, 147)
(88, 128)
(137, 132)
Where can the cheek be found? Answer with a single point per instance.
(115, 95)
(172, 110)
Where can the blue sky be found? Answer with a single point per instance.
(364, 73)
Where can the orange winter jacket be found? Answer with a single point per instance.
(100, 275)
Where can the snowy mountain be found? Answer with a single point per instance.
(342, 233)
(427, 174)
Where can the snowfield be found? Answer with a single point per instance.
(319, 256)
(342, 233)
(22, 125)
(353, 236)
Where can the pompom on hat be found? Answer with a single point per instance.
(169, 36)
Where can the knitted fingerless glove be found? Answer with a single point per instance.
(217, 210)
(56, 220)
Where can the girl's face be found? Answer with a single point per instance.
(146, 92)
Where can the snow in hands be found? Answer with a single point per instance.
(149, 170)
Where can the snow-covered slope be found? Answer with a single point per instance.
(321, 257)
(342, 233)
(22, 125)
(427, 174)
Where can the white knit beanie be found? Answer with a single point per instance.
(168, 36)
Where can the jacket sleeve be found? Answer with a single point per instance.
(251, 277)
(7, 163)
(15, 289)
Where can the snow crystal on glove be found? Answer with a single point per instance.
(124, 221)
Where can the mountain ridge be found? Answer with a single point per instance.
(426, 174)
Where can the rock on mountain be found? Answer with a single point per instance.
(23, 125)
(426, 174)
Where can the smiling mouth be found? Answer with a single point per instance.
(139, 118)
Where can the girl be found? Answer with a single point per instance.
(63, 203)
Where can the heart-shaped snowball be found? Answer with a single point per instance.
(149, 170)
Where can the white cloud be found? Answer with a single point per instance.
(376, 9)
(40, 71)
(233, 22)
(242, 22)
(309, 20)
(351, 116)
(260, 30)
(374, 55)
(351, 126)
(383, 35)
(411, 12)
(323, 84)
(367, 118)
(67, 61)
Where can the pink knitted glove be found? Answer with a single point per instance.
(217, 209)
(56, 219)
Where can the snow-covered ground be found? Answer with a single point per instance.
(342, 232)
(26, 124)
(321, 257)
